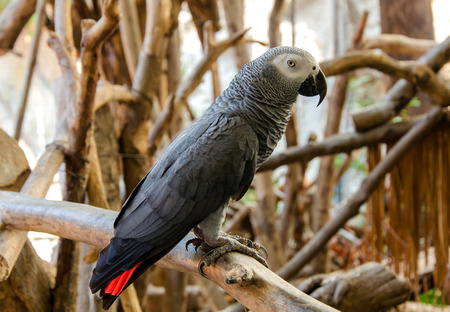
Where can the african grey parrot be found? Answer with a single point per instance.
(207, 165)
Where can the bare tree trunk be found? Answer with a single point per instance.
(413, 19)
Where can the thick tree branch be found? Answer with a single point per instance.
(242, 277)
(350, 207)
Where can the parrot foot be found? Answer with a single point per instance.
(228, 243)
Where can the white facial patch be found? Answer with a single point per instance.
(295, 66)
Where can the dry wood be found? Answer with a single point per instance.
(242, 277)
(398, 44)
(370, 287)
(401, 93)
(350, 207)
(12, 20)
(31, 62)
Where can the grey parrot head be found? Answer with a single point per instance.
(285, 72)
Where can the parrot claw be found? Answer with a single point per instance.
(198, 243)
(228, 243)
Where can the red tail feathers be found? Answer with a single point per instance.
(116, 286)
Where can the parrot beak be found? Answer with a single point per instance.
(314, 85)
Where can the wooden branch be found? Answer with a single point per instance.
(414, 72)
(12, 20)
(241, 276)
(338, 143)
(398, 44)
(401, 93)
(31, 62)
(350, 207)
(186, 87)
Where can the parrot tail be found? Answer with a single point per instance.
(114, 288)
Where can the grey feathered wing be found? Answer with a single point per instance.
(211, 161)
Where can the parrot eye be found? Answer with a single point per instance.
(290, 63)
(314, 67)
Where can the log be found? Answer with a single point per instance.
(370, 287)
(242, 277)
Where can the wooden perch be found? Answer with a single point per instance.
(242, 277)
(416, 73)
(350, 207)
(370, 287)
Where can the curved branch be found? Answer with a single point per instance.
(416, 73)
(242, 277)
